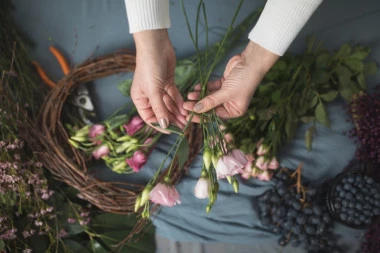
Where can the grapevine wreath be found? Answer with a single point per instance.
(68, 164)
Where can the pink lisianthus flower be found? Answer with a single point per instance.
(273, 164)
(247, 171)
(262, 163)
(231, 164)
(137, 160)
(134, 125)
(266, 175)
(101, 152)
(201, 189)
(165, 195)
(255, 172)
(94, 131)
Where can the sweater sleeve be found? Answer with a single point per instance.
(147, 14)
(280, 22)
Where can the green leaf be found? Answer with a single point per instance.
(307, 119)
(184, 72)
(183, 152)
(320, 76)
(360, 53)
(361, 81)
(330, 96)
(370, 68)
(95, 247)
(321, 115)
(75, 246)
(322, 60)
(314, 101)
(279, 65)
(309, 137)
(115, 221)
(290, 127)
(346, 93)
(344, 51)
(2, 245)
(356, 66)
(344, 75)
(276, 96)
(125, 87)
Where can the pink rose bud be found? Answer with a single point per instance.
(134, 125)
(273, 164)
(231, 164)
(101, 152)
(137, 160)
(94, 131)
(265, 175)
(201, 188)
(261, 163)
(165, 195)
(262, 150)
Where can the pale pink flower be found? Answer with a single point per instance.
(246, 173)
(262, 150)
(201, 189)
(148, 141)
(255, 172)
(231, 164)
(265, 175)
(134, 125)
(165, 195)
(137, 160)
(262, 163)
(100, 152)
(229, 138)
(273, 164)
(94, 131)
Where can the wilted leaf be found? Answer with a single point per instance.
(321, 115)
(355, 65)
(125, 87)
(370, 68)
(322, 60)
(309, 137)
(330, 96)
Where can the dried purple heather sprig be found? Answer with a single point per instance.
(365, 115)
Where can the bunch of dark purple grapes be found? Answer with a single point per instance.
(356, 199)
(365, 115)
(298, 214)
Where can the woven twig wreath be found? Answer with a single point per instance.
(68, 164)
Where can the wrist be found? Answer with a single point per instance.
(151, 39)
(258, 59)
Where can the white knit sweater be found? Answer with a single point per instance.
(278, 25)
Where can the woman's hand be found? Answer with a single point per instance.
(230, 96)
(153, 90)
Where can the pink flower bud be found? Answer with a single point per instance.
(134, 125)
(201, 188)
(261, 163)
(265, 175)
(229, 138)
(273, 164)
(262, 150)
(165, 195)
(94, 131)
(101, 152)
(137, 160)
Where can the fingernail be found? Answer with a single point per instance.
(198, 107)
(163, 123)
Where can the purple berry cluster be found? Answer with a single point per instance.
(365, 115)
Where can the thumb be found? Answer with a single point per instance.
(211, 101)
(159, 109)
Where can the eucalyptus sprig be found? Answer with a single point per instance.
(296, 90)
